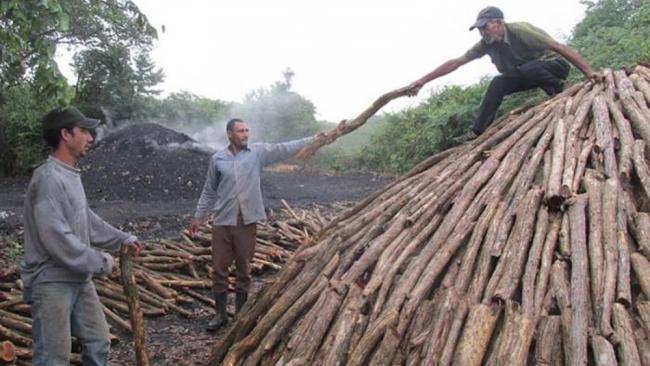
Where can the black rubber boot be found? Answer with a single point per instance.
(240, 300)
(220, 317)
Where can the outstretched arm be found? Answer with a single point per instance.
(575, 58)
(444, 69)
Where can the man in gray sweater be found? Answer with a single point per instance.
(64, 248)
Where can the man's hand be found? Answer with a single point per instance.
(414, 88)
(135, 248)
(195, 224)
(320, 137)
(595, 77)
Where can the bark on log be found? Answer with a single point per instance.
(478, 330)
(610, 240)
(628, 352)
(641, 268)
(548, 347)
(641, 168)
(594, 186)
(603, 351)
(579, 282)
(641, 232)
(136, 317)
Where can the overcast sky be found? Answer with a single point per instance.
(344, 53)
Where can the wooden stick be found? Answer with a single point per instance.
(625, 333)
(579, 282)
(137, 320)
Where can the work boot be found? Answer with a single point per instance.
(240, 300)
(471, 135)
(220, 317)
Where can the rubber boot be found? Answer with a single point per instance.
(220, 317)
(240, 300)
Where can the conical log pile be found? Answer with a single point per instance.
(529, 245)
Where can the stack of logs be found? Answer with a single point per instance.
(528, 245)
(168, 273)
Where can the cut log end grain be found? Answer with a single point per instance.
(7, 351)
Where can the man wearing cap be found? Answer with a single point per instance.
(526, 56)
(64, 248)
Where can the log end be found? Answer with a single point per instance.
(7, 351)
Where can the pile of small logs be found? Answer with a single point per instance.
(528, 245)
(168, 273)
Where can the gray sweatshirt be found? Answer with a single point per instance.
(60, 228)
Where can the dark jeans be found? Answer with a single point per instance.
(547, 75)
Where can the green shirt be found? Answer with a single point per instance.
(522, 42)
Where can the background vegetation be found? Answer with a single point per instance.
(117, 80)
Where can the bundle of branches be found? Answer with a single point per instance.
(167, 273)
(528, 245)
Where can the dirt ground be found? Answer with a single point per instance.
(174, 340)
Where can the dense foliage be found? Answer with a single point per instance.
(614, 33)
(30, 82)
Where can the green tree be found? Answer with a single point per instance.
(109, 77)
(614, 33)
(30, 31)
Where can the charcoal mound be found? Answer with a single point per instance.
(144, 162)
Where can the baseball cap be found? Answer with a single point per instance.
(70, 116)
(485, 15)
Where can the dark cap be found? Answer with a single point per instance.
(70, 116)
(485, 15)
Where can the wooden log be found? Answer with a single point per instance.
(643, 345)
(642, 86)
(640, 123)
(641, 267)
(579, 282)
(117, 319)
(623, 289)
(522, 235)
(585, 153)
(14, 336)
(553, 197)
(641, 168)
(627, 140)
(641, 232)
(604, 135)
(548, 345)
(610, 242)
(643, 309)
(544, 272)
(477, 333)
(133, 301)
(564, 244)
(593, 183)
(532, 264)
(516, 338)
(603, 351)
(7, 352)
(371, 337)
(11, 322)
(628, 352)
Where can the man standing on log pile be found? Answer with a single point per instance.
(233, 192)
(62, 235)
(526, 57)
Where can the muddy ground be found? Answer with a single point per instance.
(128, 201)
